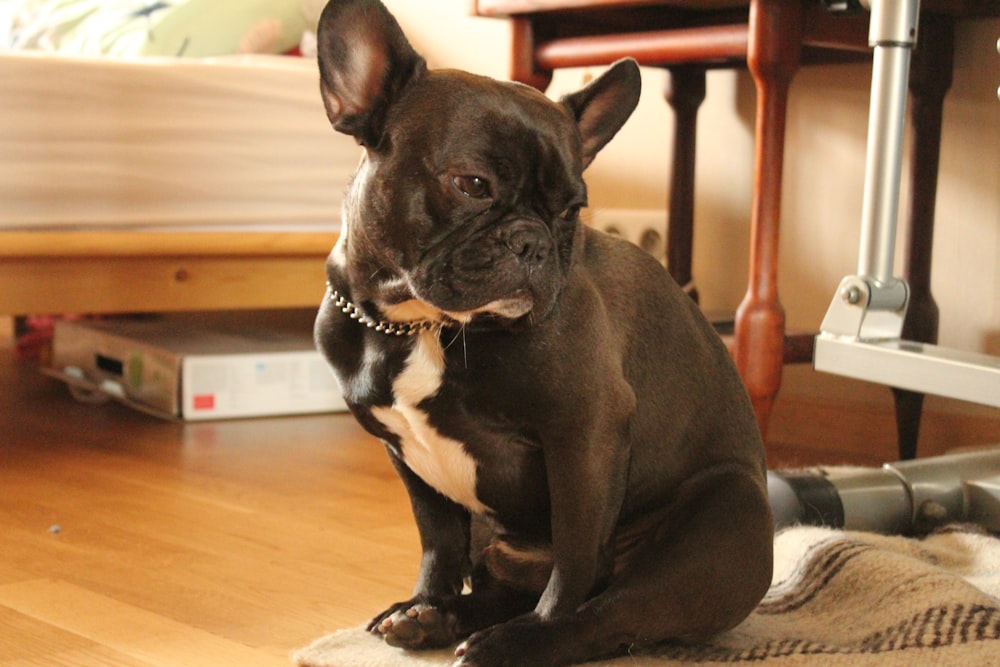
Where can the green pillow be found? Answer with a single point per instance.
(193, 28)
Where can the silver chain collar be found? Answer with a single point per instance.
(388, 328)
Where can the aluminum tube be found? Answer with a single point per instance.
(883, 163)
(938, 483)
(873, 500)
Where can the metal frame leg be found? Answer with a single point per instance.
(861, 335)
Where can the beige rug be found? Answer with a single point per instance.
(838, 598)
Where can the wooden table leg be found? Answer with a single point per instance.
(774, 53)
(523, 68)
(930, 79)
(684, 92)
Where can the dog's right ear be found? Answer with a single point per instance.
(365, 62)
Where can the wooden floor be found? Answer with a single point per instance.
(130, 541)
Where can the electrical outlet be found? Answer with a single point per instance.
(644, 227)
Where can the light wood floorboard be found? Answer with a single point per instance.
(227, 543)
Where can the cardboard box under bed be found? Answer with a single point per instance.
(197, 366)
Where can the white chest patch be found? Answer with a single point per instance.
(440, 461)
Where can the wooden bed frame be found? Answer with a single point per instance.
(134, 271)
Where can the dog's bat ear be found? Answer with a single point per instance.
(365, 62)
(603, 106)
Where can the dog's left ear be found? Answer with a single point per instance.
(603, 106)
(365, 62)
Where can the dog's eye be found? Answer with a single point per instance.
(472, 186)
(571, 214)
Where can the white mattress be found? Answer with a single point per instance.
(165, 143)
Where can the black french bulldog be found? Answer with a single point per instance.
(528, 372)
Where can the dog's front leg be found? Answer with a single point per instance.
(427, 620)
(587, 478)
(586, 487)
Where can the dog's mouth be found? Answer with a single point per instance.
(509, 308)
(415, 309)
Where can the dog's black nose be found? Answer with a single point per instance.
(529, 243)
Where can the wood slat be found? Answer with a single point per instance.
(95, 284)
(115, 272)
(54, 244)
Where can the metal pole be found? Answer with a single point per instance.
(892, 33)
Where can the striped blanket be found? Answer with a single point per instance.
(837, 598)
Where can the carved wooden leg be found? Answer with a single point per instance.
(523, 68)
(930, 79)
(684, 92)
(773, 55)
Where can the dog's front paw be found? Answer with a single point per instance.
(522, 642)
(416, 624)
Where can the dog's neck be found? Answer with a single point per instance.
(383, 326)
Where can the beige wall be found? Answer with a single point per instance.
(823, 178)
